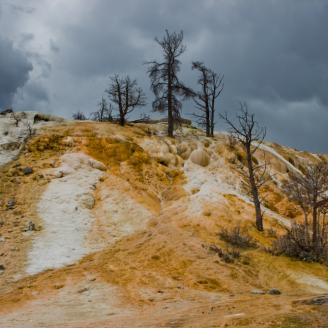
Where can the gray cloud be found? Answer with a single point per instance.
(274, 54)
(34, 96)
(14, 71)
(53, 46)
(22, 8)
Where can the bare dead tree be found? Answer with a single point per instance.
(126, 94)
(211, 87)
(30, 129)
(16, 118)
(310, 191)
(165, 84)
(79, 116)
(104, 112)
(248, 132)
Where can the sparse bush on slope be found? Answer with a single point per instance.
(236, 238)
(227, 256)
(296, 244)
(307, 241)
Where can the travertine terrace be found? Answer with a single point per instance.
(124, 223)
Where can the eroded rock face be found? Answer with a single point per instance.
(200, 157)
(15, 128)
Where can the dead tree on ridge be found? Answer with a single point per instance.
(211, 87)
(248, 132)
(16, 118)
(104, 112)
(126, 94)
(165, 84)
(79, 116)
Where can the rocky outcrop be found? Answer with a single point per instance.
(16, 127)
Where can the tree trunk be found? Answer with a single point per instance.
(208, 122)
(170, 119)
(306, 224)
(212, 122)
(254, 190)
(101, 113)
(122, 121)
(212, 115)
(315, 226)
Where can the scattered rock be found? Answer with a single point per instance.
(27, 170)
(11, 204)
(59, 174)
(200, 157)
(318, 300)
(6, 111)
(257, 291)
(2, 239)
(59, 286)
(274, 291)
(2, 268)
(97, 165)
(31, 226)
(83, 290)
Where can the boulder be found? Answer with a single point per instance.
(97, 165)
(200, 157)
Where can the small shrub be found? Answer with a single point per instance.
(227, 256)
(232, 142)
(79, 116)
(296, 243)
(291, 161)
(271, 233)
(236, 238)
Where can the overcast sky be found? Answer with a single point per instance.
(56, 56)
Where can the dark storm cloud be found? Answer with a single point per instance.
(22, 8)
(14, 71)
(33, 97)
(274, 54)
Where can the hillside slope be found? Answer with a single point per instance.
(105, 226)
